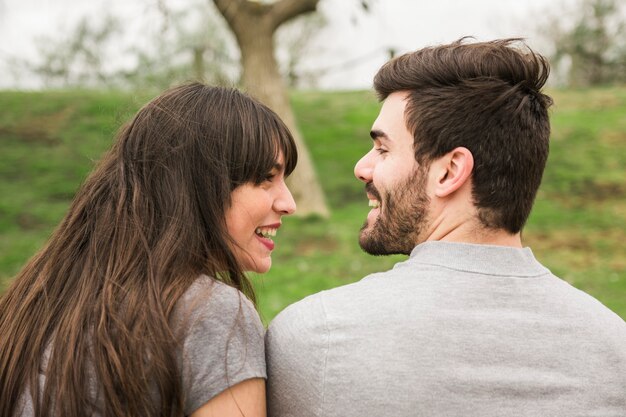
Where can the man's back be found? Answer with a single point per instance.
(457, 330)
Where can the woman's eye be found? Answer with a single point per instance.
(267, 178)
(381, 150)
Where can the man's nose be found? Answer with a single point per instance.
(364, 168)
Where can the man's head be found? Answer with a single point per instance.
(460, 122)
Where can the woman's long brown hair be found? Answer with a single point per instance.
(92, 311)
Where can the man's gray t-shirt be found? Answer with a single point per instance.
(456, 330)
(222, 343)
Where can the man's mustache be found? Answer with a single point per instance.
(371, 189)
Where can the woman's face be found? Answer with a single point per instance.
(254, 217)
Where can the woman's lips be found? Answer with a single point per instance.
(268, 243)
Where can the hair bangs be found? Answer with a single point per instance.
(266, 137)
(284, 141)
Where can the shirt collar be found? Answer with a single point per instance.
(482, 259)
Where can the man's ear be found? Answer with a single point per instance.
(453, 170)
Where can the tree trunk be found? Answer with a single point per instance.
(254, 25)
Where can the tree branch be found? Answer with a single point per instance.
(229, 9)
(284, 10)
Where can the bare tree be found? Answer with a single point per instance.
(80, 57)
(592, 41)
(253, 24)
(191, 43)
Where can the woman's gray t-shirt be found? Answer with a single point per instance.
(222, 344)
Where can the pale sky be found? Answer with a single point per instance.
(352, 46)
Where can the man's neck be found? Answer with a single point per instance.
(470, 232)
(482, 237)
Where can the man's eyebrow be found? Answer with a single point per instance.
(378, 134)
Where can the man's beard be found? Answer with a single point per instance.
(402, 218)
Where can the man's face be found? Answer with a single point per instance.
(395, 185)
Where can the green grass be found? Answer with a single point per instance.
(578, 226)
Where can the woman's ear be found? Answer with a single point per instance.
(453, 170)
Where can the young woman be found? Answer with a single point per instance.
(138, 305)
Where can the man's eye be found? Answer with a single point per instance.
(381, 150)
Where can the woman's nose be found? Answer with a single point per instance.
(284, 202)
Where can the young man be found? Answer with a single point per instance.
(471, 324)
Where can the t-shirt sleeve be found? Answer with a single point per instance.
(297, 344)
(223, 341)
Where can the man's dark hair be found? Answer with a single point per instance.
(485, 97)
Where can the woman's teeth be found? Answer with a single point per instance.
(374, 203)
(266, 232)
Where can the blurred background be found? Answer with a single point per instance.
(71, 72)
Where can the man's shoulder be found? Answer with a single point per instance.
(307, 312)
(314, 307)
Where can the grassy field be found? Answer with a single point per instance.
(50, 141)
